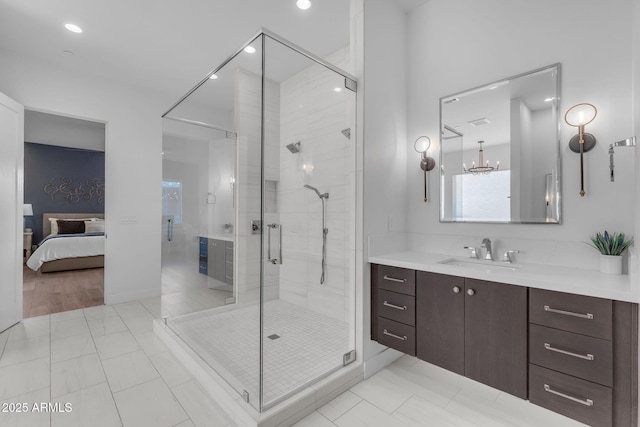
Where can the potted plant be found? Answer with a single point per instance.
(611, 247)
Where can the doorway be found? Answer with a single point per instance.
(63, 238)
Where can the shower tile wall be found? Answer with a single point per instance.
(314, 114)
(248, 117)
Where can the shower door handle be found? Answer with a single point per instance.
(169, 229)
(269, 258)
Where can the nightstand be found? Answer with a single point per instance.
(26, 244)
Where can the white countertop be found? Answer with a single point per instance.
(561, 279)
(226, 237)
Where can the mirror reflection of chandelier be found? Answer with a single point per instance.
(482, 168)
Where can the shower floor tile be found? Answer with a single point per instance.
(309, 345)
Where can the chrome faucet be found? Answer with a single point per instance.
(486, 243)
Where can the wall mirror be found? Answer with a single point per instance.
(500, 151)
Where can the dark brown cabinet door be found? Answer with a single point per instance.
(440, 301)
(496, 335)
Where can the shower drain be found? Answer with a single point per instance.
(273, 336)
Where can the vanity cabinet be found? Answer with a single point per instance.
(583, 357)
(572, 354)
(475, 328)
(393, 308)
(216, 259)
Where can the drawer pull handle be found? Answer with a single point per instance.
(403, 338)
(585, 402)
(397, 307)
(587, 356)
(393, 279)
(568, 313)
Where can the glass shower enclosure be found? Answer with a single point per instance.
(258, 252)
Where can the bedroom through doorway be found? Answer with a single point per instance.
(64, 199)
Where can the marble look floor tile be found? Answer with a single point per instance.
(4, 336)
(23, 350)
(92, 406)
(434, 390)
(140, 324)
(153, 306)
(129, 370)
(131, 309)
(419, 412)
(364, 414)
(338, 406)
(384, 390)
(67, 315)
(30, 418)
(171, 370)
(24, 377)
(75, 374)
(106, 326)
(99, 312)
(200, 407)
(150, 404)
(69, 347)
(30, 328)
(69, 327)
(479, 411)
(113, 345)
(315, 419)
(151, 344)
(187, 423)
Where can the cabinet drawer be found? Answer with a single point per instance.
(397, 279)
(398, 307)
(584, 357)
(578, 399)
(575, 313)
(397, 335)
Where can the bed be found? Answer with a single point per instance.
(62, 251)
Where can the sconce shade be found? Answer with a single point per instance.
(580, 114)
(422, 144)
(27, 209)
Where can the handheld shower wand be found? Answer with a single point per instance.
(325, 230)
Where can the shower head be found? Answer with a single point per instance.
(321, 195)
(294, 147)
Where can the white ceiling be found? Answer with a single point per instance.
(165, 46)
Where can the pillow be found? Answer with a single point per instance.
(94, 226)
(54, 226)
(70, 226)
(54, 223)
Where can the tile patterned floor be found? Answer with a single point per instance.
(307, 346)
(108, 364)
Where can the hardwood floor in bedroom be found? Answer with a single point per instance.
(48, 293)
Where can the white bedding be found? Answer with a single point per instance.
(66, 247)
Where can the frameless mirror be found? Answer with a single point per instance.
(500, 151)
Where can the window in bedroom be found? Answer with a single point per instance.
(172, 200)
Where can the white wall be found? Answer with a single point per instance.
(42, 128)
(386, 142)
(133, 164)
(460, 44)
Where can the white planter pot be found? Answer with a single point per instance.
(610, 264)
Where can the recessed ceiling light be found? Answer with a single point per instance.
(337, 89)
(303, 4)
(551, 98)
(250, 49)
(213, 77)
(73, 28)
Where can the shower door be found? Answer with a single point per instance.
(308, 213)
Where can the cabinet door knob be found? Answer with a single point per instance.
(471, 292)
(456, 289)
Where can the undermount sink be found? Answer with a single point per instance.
(478, 265)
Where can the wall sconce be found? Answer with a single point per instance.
(232, 182)
(629, 142)
(579, 116)
(427, 163)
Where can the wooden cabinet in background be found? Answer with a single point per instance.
(474, 328)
